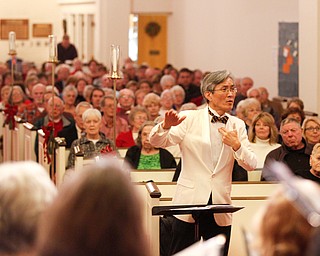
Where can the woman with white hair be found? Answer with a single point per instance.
(178, 96)
(92, 143)
(25, 192)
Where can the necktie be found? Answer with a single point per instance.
(223, 119)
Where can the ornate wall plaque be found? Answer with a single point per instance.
(41, 30)
(21, 27)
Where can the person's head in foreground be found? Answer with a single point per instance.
(97, 212)
(25, 191)
(280, 227)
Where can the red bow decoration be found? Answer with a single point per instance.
(10, 111)
(108, 150)
(48, 140)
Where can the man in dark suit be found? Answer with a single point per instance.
(74, 131)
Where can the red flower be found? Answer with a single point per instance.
(107, 150)
(48, 140)
(10, 111)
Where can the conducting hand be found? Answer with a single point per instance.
(230, 138)
(171, 118)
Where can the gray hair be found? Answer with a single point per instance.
(210, 81)
(69, 88)
(83, 104)
(289, 120)
(91, 112)
(26, 190)
(178, 88)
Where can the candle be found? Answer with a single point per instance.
(52, 47)
(115, 57)
(12, 41)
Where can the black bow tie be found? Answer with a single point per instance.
(223, 119)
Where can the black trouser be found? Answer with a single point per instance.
(183, 232)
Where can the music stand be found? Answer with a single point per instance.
(195, 211)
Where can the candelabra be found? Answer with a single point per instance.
(114, 75)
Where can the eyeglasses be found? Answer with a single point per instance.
(225, 90)
(312, 129)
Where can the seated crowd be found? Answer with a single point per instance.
(146, 94)
(81, 108)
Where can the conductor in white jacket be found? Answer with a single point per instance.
(209, 139)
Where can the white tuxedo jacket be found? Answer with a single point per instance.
(198, 179)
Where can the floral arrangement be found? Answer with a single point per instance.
(10, 111)
(48, 144)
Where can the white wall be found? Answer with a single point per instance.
(239, 35)
(37, 11)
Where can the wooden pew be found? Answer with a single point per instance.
(251, 195)
(155, 175)
(18, 141)
(30, 133)
(61, 158)
(7, 143)
(42, 159)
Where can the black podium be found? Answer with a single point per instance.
(195, 211)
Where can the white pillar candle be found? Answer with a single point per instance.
(12, 41)
(52, 47)
(114, 57)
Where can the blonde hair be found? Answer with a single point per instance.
(267, 119)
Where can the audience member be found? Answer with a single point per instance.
(139, 97)
(167, 81)
(144, 156)
(178, 97)
(95, 97)
(311, 130)
(66, 50)
(312, 173)
(273, 107)
(92, 142)
(138, 115)
(245, 84)
(25, 192)
(253, 93)
(5, 93)
(263, 135)
(87, 92)
(130, 70)
(132, 85)
(107, 108)
(80, 86)
(126, 102)
(197, 77)
(75, 131)
(295, 102)
(93, 66)
(152, 103)
(54, 113)
(97, 212)
(63, 72)
(192, 91)
(69, 95)
(295, 113)
(294, 150)
(166, 101)
(280, 229)
(250, 108)
(145, 85)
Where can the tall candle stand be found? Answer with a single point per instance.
(54, 61)
(114, 76)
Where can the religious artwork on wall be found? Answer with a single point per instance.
(288, 59)
(19, 26)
